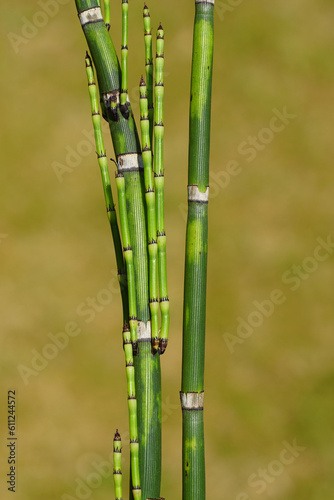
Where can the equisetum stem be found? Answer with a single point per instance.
(124, 59)
(128, 256)
(151, 215)
(103, 164)
(193, 351)
(159, 188)
(132, 404)
(149, 66)
(107, 13)
(117, 456)
(126, 145)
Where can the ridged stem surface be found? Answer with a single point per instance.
(193, 483)
(159, 188)
(117, 473)
(149, 66)
(125, 140)
(151, 215)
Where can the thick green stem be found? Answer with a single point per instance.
(192, 389)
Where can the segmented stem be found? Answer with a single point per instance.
(128, 256)
(149, 66)
(103, 164)
(193, 350)
(151, 214)
(159, 188)
(117, 456)
(132, 405)
(107, 13)
(124, 57)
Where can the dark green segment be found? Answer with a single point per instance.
(193, 472)
(195, 298)
(148, 384)
(200, 105)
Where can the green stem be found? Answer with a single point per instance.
(107, 13)
(192, 395)
(132, 404)
(103, 164)
(124, 58)
(117, 456)
(149, 66)
(151, 214)
(126, 145)
(159, 188)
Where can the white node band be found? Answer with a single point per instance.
(92, 15)
(129, 162)
(194, 194)
(192, 400)
(144, 330)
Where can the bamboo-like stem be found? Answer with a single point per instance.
(103, 164)
(151, 215)
(132, 404)
(117, 457)
(107, 13)
(192, 395)
(159, 188)
(128, 256)
(124, 59)
(126, 145)
(149, 67)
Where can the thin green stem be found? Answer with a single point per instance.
(151, 214)
(107, 13)
(124, 57)
(149, 66)
(159, 188)
(103, 164)
(126, 145)
(193, 352)
(117, 457)
(132, 405)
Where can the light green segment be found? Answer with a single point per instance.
(151, 215)
(128, 256)
(124, 52)
(149, 66)
(107, 13)
(159, 188)
(117, 457)
(203, 38)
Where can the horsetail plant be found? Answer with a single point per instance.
(129, 164)
(192, 388)
(117, 458)
(141, 247)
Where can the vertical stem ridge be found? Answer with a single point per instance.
(193, 476)
(159, 188)
(151, 214)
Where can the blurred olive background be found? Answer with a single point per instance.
(56, 251)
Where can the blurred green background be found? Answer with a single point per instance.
(272, 387)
